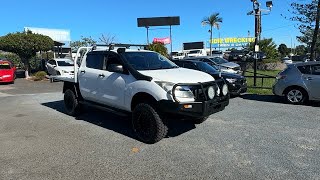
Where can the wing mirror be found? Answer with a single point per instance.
(118, 68)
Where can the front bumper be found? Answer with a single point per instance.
(237, 88)
(194, 109)
(6, 79)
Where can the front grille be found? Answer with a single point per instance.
(237, 68)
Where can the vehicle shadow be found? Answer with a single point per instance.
(119, 124)
(274, 99)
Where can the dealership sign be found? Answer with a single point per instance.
(166, 40)
(231, 42)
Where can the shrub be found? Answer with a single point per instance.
(40, 75)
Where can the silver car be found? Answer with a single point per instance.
(299, 82)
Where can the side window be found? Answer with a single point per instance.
(315, 69)
(95, 61)
(189, 65)
(305, 69)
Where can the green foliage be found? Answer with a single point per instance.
(301, 50)
(40, 75)
(267, 46)
(84, 41)
(283, 50)
(158, 47)
(14, 58)
(25, 44)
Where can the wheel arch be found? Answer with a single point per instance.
(74, 87)
(142, 97)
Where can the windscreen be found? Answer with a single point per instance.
(148, 61)
(219, 60)
(5, 66)
(205, 67)
(65, 63)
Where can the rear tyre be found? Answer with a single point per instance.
(71, 103)
(147, 124)
(296, 95)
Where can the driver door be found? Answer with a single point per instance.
(313, 81)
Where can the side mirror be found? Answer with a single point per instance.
(118, 68)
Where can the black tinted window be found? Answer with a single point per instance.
(189, 65)
(304, 69)
(316, 69)
(112, 58)
(95, 61)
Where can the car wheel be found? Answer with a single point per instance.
(200, 120)
(296, 95)
(71, 103)
(147, 124)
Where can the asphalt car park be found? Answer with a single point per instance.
(255, 137)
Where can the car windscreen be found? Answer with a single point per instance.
(219, 60)
(205, 67)
(65, 63)
(5, 66)
(148, 61)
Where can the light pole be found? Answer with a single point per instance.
(258, 12)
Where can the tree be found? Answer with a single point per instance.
(107, 39)
(158, 47)
(301, 50)
(267, 46)
(283, 50)
(307, 15)
(83, 42)
(213, 21)
(25, 45)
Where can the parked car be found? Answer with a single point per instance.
(7, 72)
(216, 53)
(299, 82)
(177, 55)
(237, 84)
(226, 66)
(63, 67)
(286, 60)
(236, 55)
(196, 53)
(251, 55)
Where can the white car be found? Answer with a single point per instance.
(286, 60)
(144, 85)
(60, 67)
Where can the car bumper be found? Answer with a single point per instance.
(237, 89)
(6, 79)
(194, 109)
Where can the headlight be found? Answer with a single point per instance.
(182, 93)
(231, 80)
(225, 89)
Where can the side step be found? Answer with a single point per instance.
(106, 108)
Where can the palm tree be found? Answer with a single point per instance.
(213, 21)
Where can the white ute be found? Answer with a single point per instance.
(143, 84)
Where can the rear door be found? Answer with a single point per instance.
(88, 75)
(313, 81)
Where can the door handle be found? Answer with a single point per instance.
(83, 71)
(101, 75)
(309, 78)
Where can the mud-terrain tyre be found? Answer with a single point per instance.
(147, 124)
(199, 120)
(71, 103)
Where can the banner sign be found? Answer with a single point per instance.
(231, 42)
(166, 40)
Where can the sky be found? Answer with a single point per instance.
(119, 19)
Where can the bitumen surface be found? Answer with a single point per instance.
(255, 137)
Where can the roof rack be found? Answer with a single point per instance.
(122, 45)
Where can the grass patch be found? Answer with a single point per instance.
(267, 82)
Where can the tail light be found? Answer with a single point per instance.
(281, 76)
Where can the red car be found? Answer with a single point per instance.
(7, 72)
